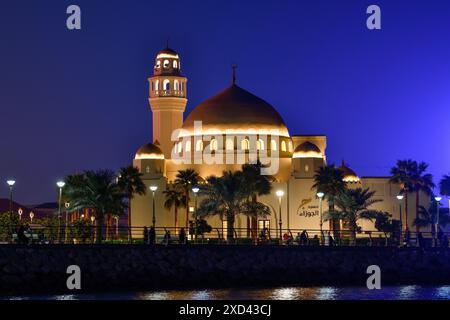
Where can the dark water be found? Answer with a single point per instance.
(285, 293)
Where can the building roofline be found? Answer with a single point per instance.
(308, 135)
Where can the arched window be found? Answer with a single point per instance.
(213, 145)
(199, 145)
(290, 146)
(187, 147)
(283, 146)
(182, 85)
(260, 144)
(166, 63)
(157, 85)
(180, 147)
(273, 145)
(176, 85)
(245, 145)
(175, 64)
(153, 86)
(158, 64)
(229, 144)
(166, 84)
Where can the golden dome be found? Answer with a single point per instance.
(348, 174)
(235, 111)
(307, 150)
(149, 151)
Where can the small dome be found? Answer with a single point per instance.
(167, 53)
(149, 151)
(307, 150)
(349, 174)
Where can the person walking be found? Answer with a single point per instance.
(182, 236)
(167, 238)
(152, 236)
(304, 238)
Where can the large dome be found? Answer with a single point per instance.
(236, 111)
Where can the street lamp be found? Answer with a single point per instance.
(320, 195)
(195, 190)
(10, 183)
(31, 216)
(280, 194)
(153, 189)
(400, 199)
(438, 199)
(60, 185)
(20, 212)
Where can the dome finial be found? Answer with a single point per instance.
(234, 67)
(167, 42)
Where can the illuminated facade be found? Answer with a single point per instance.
(231, 128)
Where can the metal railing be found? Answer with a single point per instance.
(240, 236)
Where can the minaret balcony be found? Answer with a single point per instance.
(169, 93)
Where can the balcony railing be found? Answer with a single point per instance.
(169, 93)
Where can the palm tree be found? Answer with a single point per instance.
(98, 191)
(444, 185)
(427, 217)
(130, 183)
(227, 196)
(329, 180)
(421, 182)
(175, 198)
(255, 185)
(402, 174)
(185, 180)
(353, 205)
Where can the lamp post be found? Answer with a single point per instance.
(195, 190)
(320, 195)
(438, 199)
(280, 194)
(10, 183)
(60, 185)
(31, 216)
(153, 190)
(66, 205)
(400, 199)
(20, 212)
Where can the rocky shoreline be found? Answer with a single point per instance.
(42, 269)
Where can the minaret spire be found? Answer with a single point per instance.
(234, 67)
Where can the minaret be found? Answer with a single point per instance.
(167, 98)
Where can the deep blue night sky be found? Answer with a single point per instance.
(74, 100)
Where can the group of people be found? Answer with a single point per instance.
(150, 236)
(301, 239)
(441, 240)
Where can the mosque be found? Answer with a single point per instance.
(222, 133)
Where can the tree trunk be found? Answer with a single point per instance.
(176, 219)
(353, 228)
(417, 210)
(406, 211)
(187, 210)
(99, 229)
(230, 228)
(129, 220)
(254, 222)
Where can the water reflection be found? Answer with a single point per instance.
(443, 293)
(408, 292)
(327, 293)
(281, 293)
